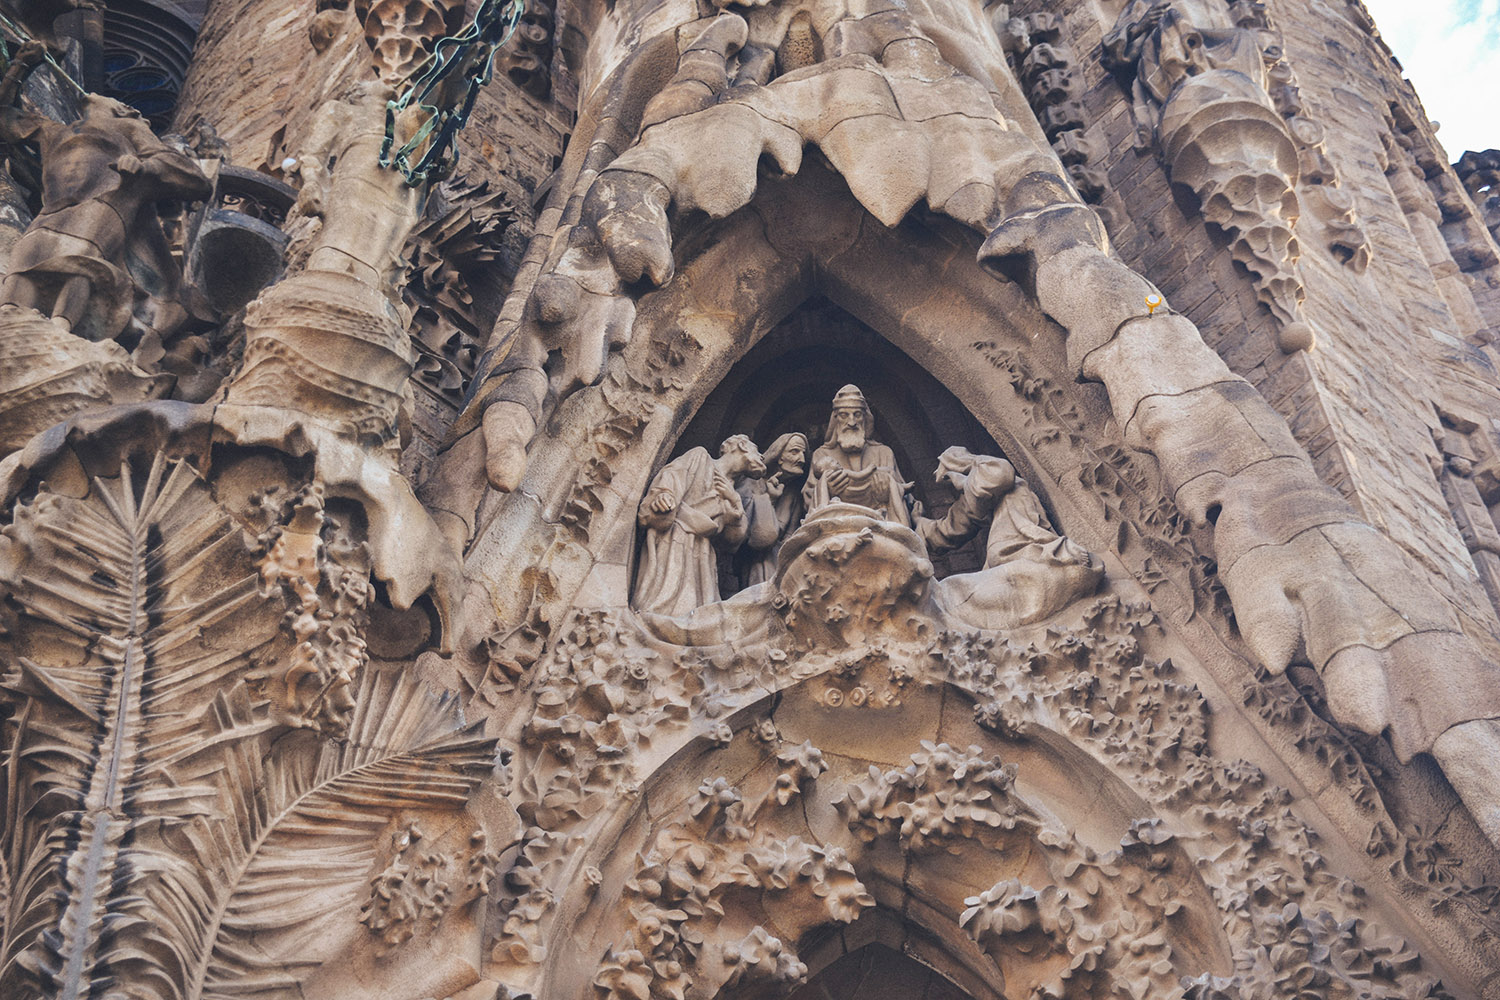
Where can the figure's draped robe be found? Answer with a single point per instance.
(679, 565)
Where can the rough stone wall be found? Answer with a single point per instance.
(513, 138)
(1392, 346)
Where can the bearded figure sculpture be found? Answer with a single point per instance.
(853, 467)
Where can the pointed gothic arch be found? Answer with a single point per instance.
(917, 285)
(803, 837)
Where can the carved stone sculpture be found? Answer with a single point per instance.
(97, 238)
(852, 467)
(1200, 94)
(76, 274)
(1030, 571)
(773, 506)
(1215, 719)
(1282, 540)
(691, 508)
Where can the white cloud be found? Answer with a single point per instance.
(1450, 50)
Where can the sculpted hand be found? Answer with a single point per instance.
(775, 487)
(838, 481)
(663, 503)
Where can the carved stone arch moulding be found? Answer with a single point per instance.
(714, 811)
(981, 338)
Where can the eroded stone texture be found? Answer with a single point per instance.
(804, 510)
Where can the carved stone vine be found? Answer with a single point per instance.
(1268, 881)
(727, 843)
(1130, 501)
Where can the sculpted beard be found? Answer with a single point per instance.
(851, 435)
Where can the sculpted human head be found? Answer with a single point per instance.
(851, 422)
(98, 108)
(954, 465)
(738, 456)
(788, 454)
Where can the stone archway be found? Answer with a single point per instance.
(877, 971)
(742, 854)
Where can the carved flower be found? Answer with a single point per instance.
(1429, 859)
(764, 731)
(625, 975)
(806, 759)
(759, 956)
(716, 794)
(1242, 772)
(834, 882)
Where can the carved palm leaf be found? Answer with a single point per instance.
(299, 848)
(117, 590)
(159, 839)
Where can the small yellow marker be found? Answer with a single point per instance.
(1152, 303)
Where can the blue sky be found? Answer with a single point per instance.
(1450, 50)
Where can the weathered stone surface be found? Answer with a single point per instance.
(806, 502)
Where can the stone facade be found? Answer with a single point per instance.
(654, 500)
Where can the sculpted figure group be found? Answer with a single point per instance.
(747, 504)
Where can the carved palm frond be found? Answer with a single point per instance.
(306, 822)
(161, 837)
(117, 590)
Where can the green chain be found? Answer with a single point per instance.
(20, 34)
(470, 52)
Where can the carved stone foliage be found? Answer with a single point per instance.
(447, 250)
(727, 847)
(731, 882)
(205, 767)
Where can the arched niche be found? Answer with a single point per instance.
(877, 971)
(917, 289)
(786, 382)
